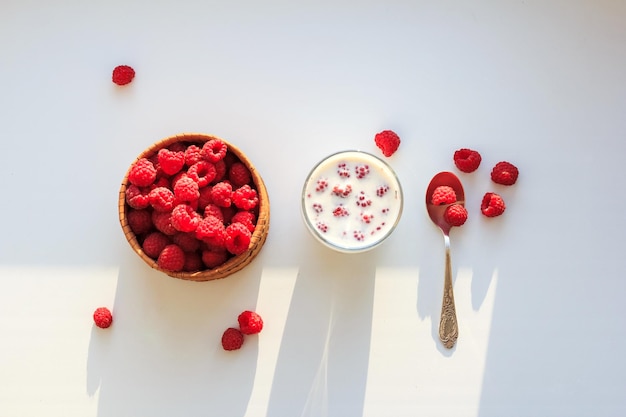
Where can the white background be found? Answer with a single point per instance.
(539, 290)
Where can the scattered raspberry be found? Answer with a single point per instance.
(387, 141)
(504, 173)
(250, 322)
(367, 217)
(492, 205)
(322, 185)
(358, 235)
(213, 210)
(171, 162)
(317, 208)
(193, 262)
(202, 172)
(247, 218)
(467, 160)
(193, 155)
(239, 175)
(443, 195)
(343, 170)
(382, 190)
(361, 170)
(214, 150)
(171, 258)
(154, 243)
(186, 241)
(342, 192)
(184, 218)
(214, 258)
(123, 74)
(455, 215)
(362, 200)
(102, 317)
(211, 230)
(221, 194)
(245, 198)
(237, 238)
(186, 189)
(162, 199)
(137, 197)
(340, 211)
(140, 221)
(232, 339)
(142, 173)
(163, 222)
(322, 227)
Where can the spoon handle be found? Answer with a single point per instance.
(448, 326)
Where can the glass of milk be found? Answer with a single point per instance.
(351, 201)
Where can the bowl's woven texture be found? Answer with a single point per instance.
(235, 263)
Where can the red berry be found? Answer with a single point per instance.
(142, 173)
(102, 317)
(214, 258)
(232, 339)
(214, 150)
(186, 241)
(443, 194)
(247, 218)
(245, 198)
(163, 222)
(123, 74)
(193, 262)
(154, 244)
(202, 172)
(239, 175)
(171, 162)
(455, 215)
(205, 197)
(186, 189)
(467, 160)
(213, 210)
(162, 199)
(237, 238)
(504, 173)
(221, 194)
(387, 141)
(193, 155)
(137, 197)
(184, 218)
(492, 205)
(211, 230)
(172, 258)
(250, 322)
(140, 221)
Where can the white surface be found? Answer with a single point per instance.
(539, 290)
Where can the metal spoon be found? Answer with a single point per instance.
(448, 326)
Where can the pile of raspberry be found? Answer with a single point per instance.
(192, 205)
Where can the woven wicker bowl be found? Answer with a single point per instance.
(233, 264)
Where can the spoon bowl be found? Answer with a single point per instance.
(448, 325)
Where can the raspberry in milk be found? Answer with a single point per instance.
(351, 201)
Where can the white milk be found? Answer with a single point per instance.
(352, 201)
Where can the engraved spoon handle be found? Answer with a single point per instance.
(448, 326)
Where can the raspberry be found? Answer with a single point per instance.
(160, 182)
(228, 213)
(232, 339)
(202, 173)
(247, 218)
(205, 197)
(237, 238)
(211, 230)
(340, 211)
(387, 141)
(213, 210)
(177, 147)
(214, 258)
(171, 162)
(220, 170)
(250, 322)
(142, 173)
(123, 74)
(361, 170)
(362, 200)
(214, 150)
(102, 317)
(193, 262)
(239, 175)
(186, 241)
(171, 258)
(504, 173)
(193, 155)
(455, 215)
(163, 222)
(245, 197)
(184, 218)
(154, 243)
(343, 171)
(342, 192)
(221, 194)
(492, 205)
(161, 199)
(186, 189)
(137, 197)
(467, 160)
(443, 195)
(322, 185)
(140, 221)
